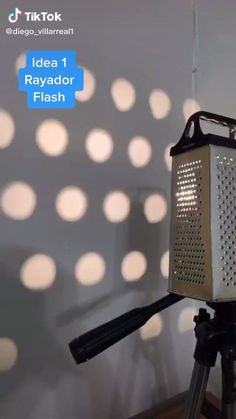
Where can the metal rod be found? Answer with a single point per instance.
(197, 391)
(102, 337)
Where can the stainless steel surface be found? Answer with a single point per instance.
(190, 244)
(223, 222)
(203, 224)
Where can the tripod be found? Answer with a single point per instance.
(213, 336)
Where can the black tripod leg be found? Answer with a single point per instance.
(197, 391)
(228, 363)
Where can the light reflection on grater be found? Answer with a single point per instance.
(188, 247)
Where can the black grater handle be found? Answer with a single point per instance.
(198, 138)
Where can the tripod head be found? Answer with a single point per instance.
(102, 337)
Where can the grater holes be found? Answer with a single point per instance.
(189, 250)
(226, 173)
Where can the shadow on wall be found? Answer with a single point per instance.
(22, 320)
(38, 355)
(42, 358)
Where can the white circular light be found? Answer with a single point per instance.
(71, 203)
(20, 62)
(155, 208)
(165, 264)
(160, 104)
(99, 145)
(89, 87)
(123, 94)
(185, 321)
(139, 151)
(8, 354)
(7, 128)
(90, 269)
(18, 200)
(52, 137)
(38, 272)
(116, 206)
(152, 328)
(134, 266)
(190, 106)
(167, 157)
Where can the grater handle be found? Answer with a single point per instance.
(198, 138)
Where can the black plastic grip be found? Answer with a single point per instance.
(198, 138)
(102, 337)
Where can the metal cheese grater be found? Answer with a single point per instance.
(202, 263)
(203, 216)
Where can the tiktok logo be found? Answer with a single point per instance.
(13, 17)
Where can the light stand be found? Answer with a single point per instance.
(213, 336)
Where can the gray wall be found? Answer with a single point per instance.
(181, 48)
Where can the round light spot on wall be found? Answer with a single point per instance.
(160, 104)
(20, 62)
(167, 157)
(155, 208)
(123, 94)
(152, 328)
(185, 320)
(190, 106)
(8, 354)
(52, 137)
(38, 272)
(134, 266)
(90, 269)
(99, 145)
(165, 264)
(71, 203)
(116, 206)
(18, 200)
(7, 128)
(139, 151)
(89, 87)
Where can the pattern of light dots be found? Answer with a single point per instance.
(185, 320)
(123, 94)
(52, 137)
(152, 328)
(133, 266)
(160, 104)
(71, 203)
(165, 264)
(139, 151)
(99, 145)
(116, 206)
(155, 208)
(18, 200)
(89, 87)
(90, 269)
(8, 353)
(7, 128)
(190, 106)
(38, 272)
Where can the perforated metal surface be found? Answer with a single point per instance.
(190, 238)
(189, 249)
(203, 225)
(226, 205)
